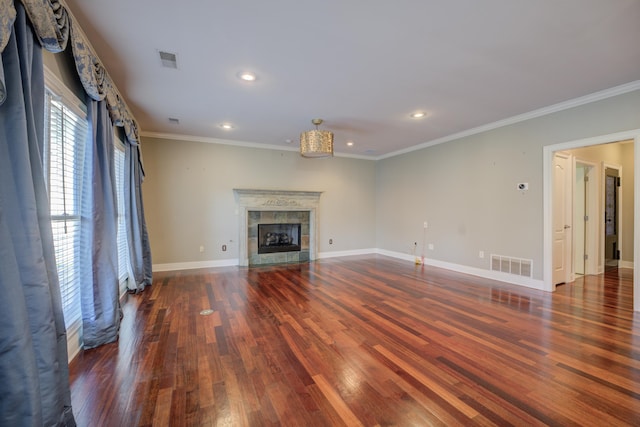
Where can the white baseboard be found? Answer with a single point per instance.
(234, 262)
(195, 264)
(625, 264)
(487, 274)
(336, 254)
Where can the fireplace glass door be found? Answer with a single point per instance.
(278, 238)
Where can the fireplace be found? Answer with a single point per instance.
(278, 238)
(257, 208)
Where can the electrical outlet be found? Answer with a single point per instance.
(430, 246)
(481, 254)
(224, 248)
(426, 224)
(201, 248)
(331, 241)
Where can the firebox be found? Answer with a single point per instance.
(278, 238)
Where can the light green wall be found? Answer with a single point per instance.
(466, 189)
(189, 199)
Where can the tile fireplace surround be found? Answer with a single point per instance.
(273, 205)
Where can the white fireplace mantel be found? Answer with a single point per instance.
(275, 200)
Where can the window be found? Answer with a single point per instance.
(123, 247)
(66, 130)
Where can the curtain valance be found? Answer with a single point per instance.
(7, 18)
(98, 83)
(54, 26)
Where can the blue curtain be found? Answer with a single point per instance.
(139, 248)
(99, 264)
(34, 378)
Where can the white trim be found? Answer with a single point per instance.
(58, 88)
(561, 106)
(625, 264)
(337, 254)
(479, 272)
(175, 266)
(234, 262)
(636, 220)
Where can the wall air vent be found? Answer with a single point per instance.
(510, 265)
(174, 121)
(168, 59)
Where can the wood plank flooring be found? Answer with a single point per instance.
(365, 341)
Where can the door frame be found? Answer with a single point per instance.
(592, 209)
(547, 170)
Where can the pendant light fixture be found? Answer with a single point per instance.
(316, 143)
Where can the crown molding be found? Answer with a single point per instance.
(561, 106)
(209, 140)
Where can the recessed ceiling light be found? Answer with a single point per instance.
(349, 143)
(247, 76)
(226, 126)
(418, 115)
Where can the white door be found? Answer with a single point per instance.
(561, 218)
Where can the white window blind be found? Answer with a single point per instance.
(123, 247)
(66, 131)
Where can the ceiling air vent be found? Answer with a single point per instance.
(168, 59)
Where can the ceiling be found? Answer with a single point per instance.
(362, 66)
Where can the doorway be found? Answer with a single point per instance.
(586, 211)
(548, 207)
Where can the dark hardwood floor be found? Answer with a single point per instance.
(365, 341)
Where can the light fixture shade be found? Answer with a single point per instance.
(316, 143)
